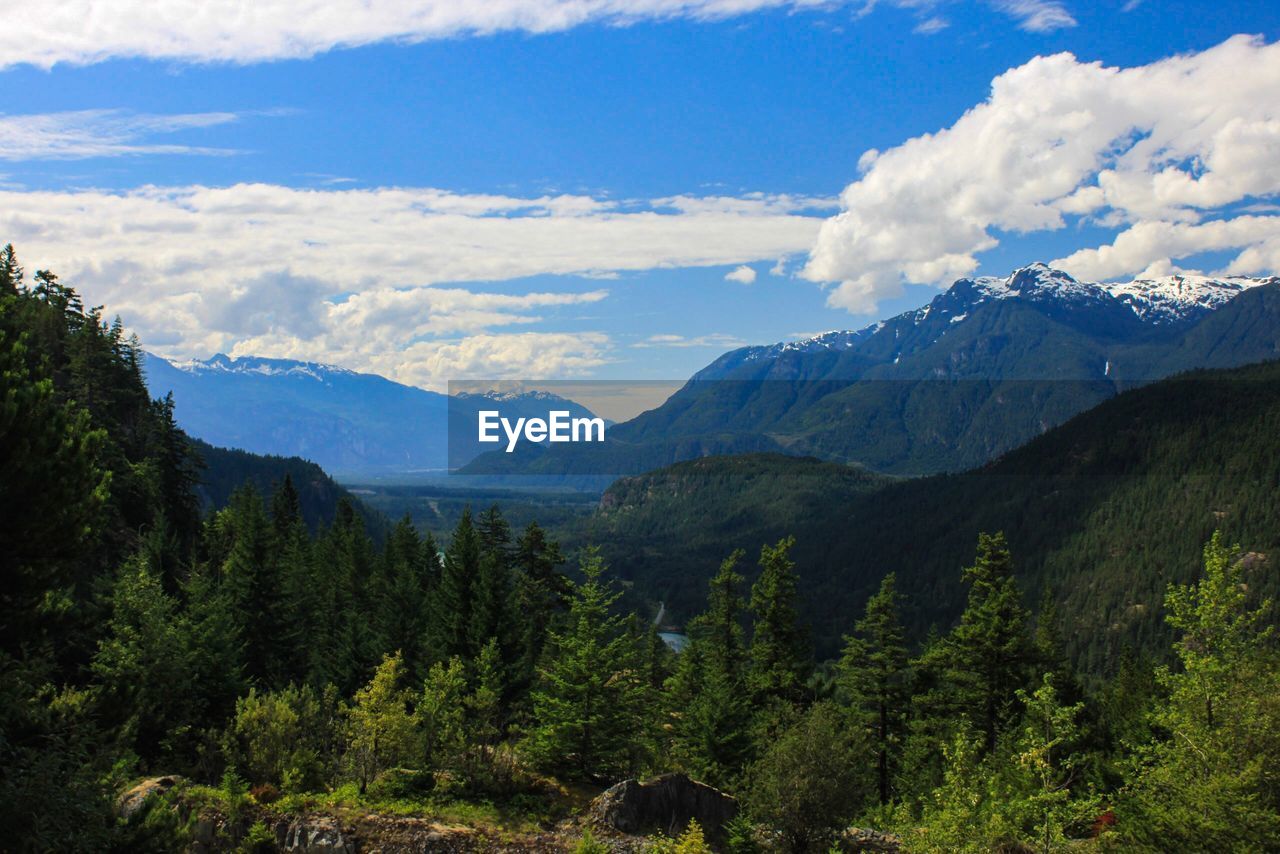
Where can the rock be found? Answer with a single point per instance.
(861, 840)
(664, 804)
(313, 835)
(132, 800)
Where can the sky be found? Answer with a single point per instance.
(437, 190)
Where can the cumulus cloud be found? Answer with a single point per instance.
(87, 31)
(1164, 152)
(743, 275)
(374, 279)
(80, 134)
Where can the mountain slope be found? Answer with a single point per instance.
(1103, 512)
(347, 422)
(227, 470)
(984, 367)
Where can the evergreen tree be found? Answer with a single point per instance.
(381, 731)
(453, 598)
(874, 677)
(707, 695)
(442, 712)
(1211, 773)
(986, 657)
(251, 576)
(780, 652)
(806, 785)
(541, 593)
(401, 596)
(588, 706)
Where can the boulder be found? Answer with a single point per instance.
(312, 835)
(132, 800)
(664, 804)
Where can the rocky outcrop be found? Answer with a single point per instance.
(133, 799)
(664, 804)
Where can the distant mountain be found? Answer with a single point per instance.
(1102, 513)
(982, 368)
(349, 423)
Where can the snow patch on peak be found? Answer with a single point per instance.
(222, 363)
(1176, 297)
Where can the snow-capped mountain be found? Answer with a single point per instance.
(1014, 356)
(1176, 298)
(1169, 301)
(349, 423)
(222, 363)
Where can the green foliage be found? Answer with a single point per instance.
(381, 731)
(809, 784)
(1052, 797)
(984, 661)
(875, 680)
(707, 697)
(442, 713)
(590, 704)
(285, 738)
(588, 844)
(691, 841)
(1211, 770)
(780, 654)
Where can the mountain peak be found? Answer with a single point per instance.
(1178, 296)
(223, 363)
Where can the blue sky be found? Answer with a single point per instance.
(661, 150)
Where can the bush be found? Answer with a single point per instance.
(812, 780)
(281, 739)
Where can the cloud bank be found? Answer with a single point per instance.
(87, 31)
(1169, 153)
(384, 279)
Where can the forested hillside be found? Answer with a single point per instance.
(249, 682)
(225, 470)
(1103, 512)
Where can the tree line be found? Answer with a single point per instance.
(268, 661)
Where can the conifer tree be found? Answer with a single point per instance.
(250, 575)
(707, 695)
(401, 596)
(987, 656)
(381, 731)
(1211, 772)
(874, 677)
(780, 653)
(588, 706)
(541, 593)
(453, 598)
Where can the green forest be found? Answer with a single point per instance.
(282, 665)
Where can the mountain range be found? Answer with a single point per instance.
(985, 366)
(351, 424)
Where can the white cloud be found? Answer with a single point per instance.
(1037, 16)
(715, 339)
(1156, 150)
(931, 25)
(371, 279)
(99, 133)
(87, 31)
(743, 275)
